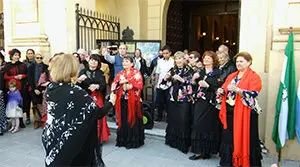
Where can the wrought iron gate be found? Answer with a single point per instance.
(1, 30)
(91, 26)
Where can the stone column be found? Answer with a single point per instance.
(23, 20)
(47, 26)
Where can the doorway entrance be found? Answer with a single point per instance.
(203, 25)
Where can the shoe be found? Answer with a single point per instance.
(22, 124)
(36, 124)
(27, 121)
(11, 129)
(195, 157)
(15, 130)
(1, 133)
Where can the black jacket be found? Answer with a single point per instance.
(31, 75)
(227, 69)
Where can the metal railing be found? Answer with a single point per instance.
(91, 26)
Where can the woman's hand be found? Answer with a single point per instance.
(129, 86)
(18, 77)
(93, 87)
(232, 87)
(178, 78)
(37, 92)
(112, 98)
(203, 84)
(81, 78)
(123, 81)
(45, 84)
(167, 76)
(220, 92)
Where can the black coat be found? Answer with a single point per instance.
(31, 75)
(70, 134)
(227, 69)
(1, 81)
(93, 77)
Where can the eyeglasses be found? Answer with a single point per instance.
(39, 58)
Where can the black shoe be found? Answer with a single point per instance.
(22, 125)
(195, 157)
(1, 133)
(27, 121)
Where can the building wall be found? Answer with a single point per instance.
(127, 10)
(284, 14)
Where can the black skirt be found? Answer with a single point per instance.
(130, 137)
(226, 149)
(179, 126)
(205, 137)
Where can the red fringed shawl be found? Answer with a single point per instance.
(241, 123)
(133, 77)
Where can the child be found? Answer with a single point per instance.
(13, 107)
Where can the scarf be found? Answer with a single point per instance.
(134, 77)
(241, 123)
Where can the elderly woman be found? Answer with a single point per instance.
(127, 86)
(195, 61)
(16, 70)
(93, 81)
(70, 134)
(239, 115)
(179, 103)
(226, 66)
(205, 128)
(38, 75)
(3, 122)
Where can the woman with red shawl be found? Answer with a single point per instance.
(93, 81)
(239, 115)
(127, 86)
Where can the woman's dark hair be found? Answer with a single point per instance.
(214, 56)
(127, 57)
(2, 57)
(77, 56)
(97, 58)
(14, 51)
(138, 50)
(28, 51)
(245, 55)
(196, 55)
(168, 48)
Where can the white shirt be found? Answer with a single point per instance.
(137, 64)
(163, 66)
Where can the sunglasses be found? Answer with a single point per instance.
(39, 58)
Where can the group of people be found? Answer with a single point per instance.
(211, 105)
(209, 102)
(22, 83)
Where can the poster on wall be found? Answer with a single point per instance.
(149, 50)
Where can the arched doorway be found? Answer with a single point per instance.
(201, 25)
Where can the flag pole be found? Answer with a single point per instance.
(279, 158)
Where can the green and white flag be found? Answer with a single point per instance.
(284, 125)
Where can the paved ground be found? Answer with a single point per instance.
(24, 149)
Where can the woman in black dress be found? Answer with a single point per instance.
(70, 134)
(93, 81)
(179, 104)
(205, 138)
(127, 86)
(16, 70)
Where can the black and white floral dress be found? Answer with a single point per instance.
(70, 134)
